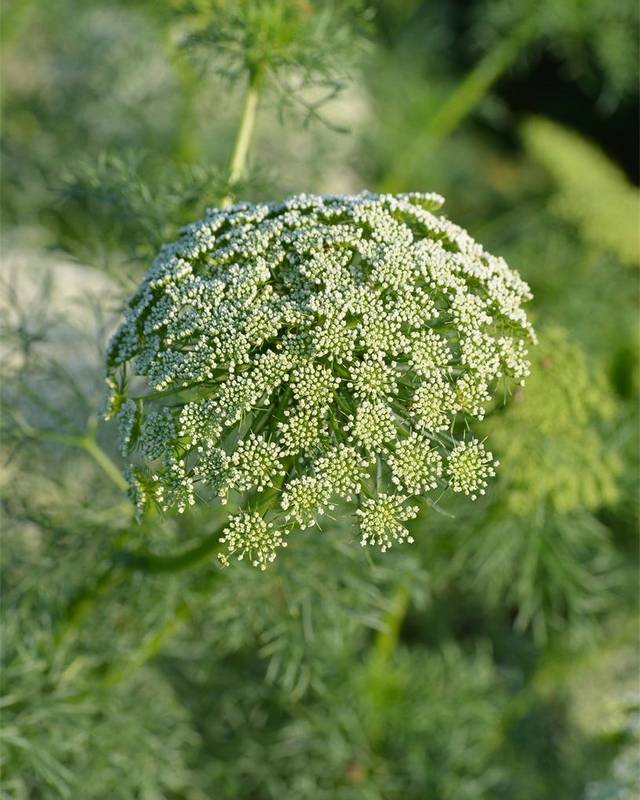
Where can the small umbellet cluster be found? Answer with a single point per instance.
(292, 355)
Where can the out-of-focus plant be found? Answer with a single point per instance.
(591, 191)
(594, 44)
(594, 40)
(550, 448)
(623, 781)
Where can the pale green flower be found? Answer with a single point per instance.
(434, 403)
(254, 463)
(372, 426)
(157, 430)
(128, 419)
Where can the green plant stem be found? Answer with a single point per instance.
(122, 563)
(85, 441)
(462, 101)
(386, 639)
(378, 670)
(238, 163)
(92, 448)
(155, 640)
(477, 83)
(187, 142)
(85, 601)
(155, 565)
(150, 647)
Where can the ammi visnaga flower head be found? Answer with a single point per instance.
(293, 355)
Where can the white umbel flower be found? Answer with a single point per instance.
(416, 465)
(382, 521)
(255, 463)
(248, 535)
(305, 499)
(373, 425)
(291, 355)
(470, 464)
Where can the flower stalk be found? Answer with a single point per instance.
(239, 155)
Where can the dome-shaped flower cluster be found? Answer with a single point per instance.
(294, 354)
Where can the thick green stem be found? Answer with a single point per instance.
(86, 600)
(187, 142)
(150, 646)
(155, 640)
(379, 672)
(238, 163)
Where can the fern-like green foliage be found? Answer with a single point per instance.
(431, 727)
(559, 572)
(64, 738)
(339, 673)
(591, 191)
(298, 44)
(116, 206)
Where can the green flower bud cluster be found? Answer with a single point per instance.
(552, 438)
(293, 355)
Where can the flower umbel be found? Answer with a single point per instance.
(415, 465)
(382, 518)
(248, 534)
(293, 355)
(469, 467)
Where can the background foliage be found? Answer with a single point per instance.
(496, 657)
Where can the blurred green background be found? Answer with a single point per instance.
(497, 657)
